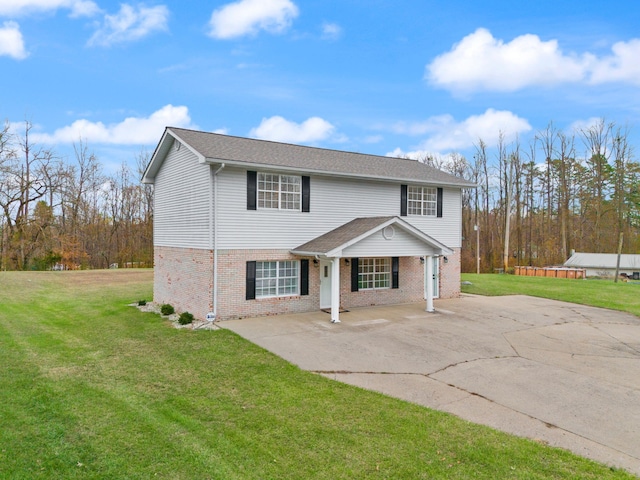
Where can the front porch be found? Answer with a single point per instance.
(372, 248)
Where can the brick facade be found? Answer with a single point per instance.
(450, 275)
(184, 278)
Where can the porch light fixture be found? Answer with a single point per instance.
(346, 262)
(315, 261)
(422, 260)
(446, 260)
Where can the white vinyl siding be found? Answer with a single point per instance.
(334, 201)
(402, 244)
(422, 201)
(277, 278)
(374, 273)
(183, 201)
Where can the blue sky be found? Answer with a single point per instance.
(375, 76)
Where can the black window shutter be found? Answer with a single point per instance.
(304, 277)
(395, 269)
(252, 189)
(251, 280)
(354, 275)
(306, 193)
(439, 204)
(403, 200)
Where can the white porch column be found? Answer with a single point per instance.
(428, 281)
(335, 290)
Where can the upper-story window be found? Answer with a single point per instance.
(422, 201)
(280, 192)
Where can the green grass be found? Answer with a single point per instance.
(621, 296)
(93, 388)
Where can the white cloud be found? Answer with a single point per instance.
(78, 8)
(482, 62)
(445, 134)
(414, 154)
(443, 162)
(84, 9)
(248, 17)
(580, 125)
(331, 31)
(621, 66)
(131, 131)
(11, 42)
(279, 129)
(129, 24)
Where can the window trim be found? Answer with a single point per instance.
(252, 192)
(280, 290)
(372, 277)
(302, 279)
(282, 200)
(422, 198)
(394, 274)
(404, 201)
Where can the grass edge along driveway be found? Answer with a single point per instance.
(93, 388)
(622, 296)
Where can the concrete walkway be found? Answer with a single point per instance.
(563, 374)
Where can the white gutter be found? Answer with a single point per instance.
(214, 212)
(330, 173)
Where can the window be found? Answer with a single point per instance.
(280, 192)
(276, 279)
(422, 201)
(374, 273)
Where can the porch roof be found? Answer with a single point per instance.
(360, 231)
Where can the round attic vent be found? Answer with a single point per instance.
(388, 232)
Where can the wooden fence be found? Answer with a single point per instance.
(554, 272)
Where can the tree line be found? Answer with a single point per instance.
(536, 203)
(57, 214)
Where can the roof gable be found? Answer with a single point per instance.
(342, 241)
(252, 153)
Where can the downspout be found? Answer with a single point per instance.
(214, 212)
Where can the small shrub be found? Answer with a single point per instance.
(142, 303)
(185, 318)
(167, 309)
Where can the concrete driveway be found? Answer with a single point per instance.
(563, 374)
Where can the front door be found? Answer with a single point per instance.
(436, 277)
(325, 284)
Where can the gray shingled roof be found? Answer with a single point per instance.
(255, 153)
(341, 235)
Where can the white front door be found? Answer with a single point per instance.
(436, 277)
(325, 284)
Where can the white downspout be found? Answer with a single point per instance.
(214, 212)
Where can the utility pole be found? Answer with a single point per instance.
(477, 229)
(615, 280)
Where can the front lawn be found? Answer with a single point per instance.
(92, 388)
(623, 296)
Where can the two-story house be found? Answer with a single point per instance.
(246, 227)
